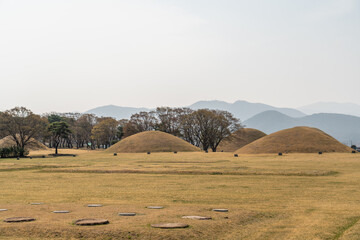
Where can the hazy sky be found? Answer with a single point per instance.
(79, 54)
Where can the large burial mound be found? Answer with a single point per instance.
(239, 139)
(295, 140)
(33, 144)
(152, 141)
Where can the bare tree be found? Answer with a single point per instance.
(105, 131)
(140, 122)
(170, 119)
(223, 124)
(82, 130)
(207, 128)
(21, 125)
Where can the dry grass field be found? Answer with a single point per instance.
(295, 196)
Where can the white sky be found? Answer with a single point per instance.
(75, 55)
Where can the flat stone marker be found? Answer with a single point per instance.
(197, 217)
(155, 207)
(91, 222)
(220, 210)
(94, 205)
(61, 211)
(37, 203)
(3, 210)
(127, 214)
(169, 225)
(19, 219)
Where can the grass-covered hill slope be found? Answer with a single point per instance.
(295, 140)
(152, 141)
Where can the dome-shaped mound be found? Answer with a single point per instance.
(239, 139)
(152, 141)
(295, 140)
(33, 144)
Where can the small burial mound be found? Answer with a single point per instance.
(33, 144)
(295, 140)
(239, 139)
(152, 141)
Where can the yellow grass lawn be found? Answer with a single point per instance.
(295, 196)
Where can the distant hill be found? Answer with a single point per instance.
(344, 128)
(115, 111)
(332, 107)
(245, 110)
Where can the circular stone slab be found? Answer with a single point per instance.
(220, 210)
(36, 203)
(94, 205)
(19, 219)
(197, 217)
(61, 211)
(169, 225)
(91, 222)
(127, 214)
(3, 210)
(155, 207)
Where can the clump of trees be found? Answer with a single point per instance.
(203, 128)
(69, 130)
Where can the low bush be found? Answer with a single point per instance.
(13, 151)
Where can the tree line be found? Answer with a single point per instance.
(203, 128)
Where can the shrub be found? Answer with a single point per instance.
(13, 151)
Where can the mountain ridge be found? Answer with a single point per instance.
(114, 111)
(332, 107)
(240, 109)
(345, 128)
(244, 109)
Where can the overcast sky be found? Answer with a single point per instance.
(75, 55)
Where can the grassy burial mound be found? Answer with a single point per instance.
(295, 140)
(152, 141)
(33, 144)
(239, 139)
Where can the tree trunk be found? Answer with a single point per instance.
(56, 145)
